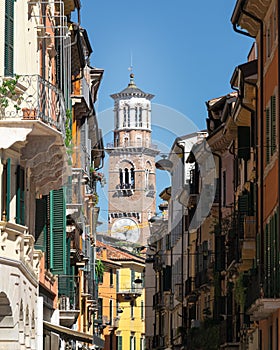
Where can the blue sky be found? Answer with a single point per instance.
(184, 52)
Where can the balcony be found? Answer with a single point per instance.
(32, 98)
(114, 324)
(32, 118)
(129, 294)
(67, 314)
(17, 249)
(263, 308)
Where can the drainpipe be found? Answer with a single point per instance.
(278, 221)
(181, 146)
(260, 145)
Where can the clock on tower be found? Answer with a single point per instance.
(132, 179)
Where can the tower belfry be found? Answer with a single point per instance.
(132, 177)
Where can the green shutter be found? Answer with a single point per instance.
(58, 232)
(9, 38)
(41, 223)
(8, 188)
(117, 281)
(273, 123)
(20, 207)
(119, 342)
(142, 309)
(267, 136)
(277, 272)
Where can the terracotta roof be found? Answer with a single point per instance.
(118, 254)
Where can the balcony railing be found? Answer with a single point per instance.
(33, 98)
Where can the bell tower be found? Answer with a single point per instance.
(132, 177)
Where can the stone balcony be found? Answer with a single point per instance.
(17, 247)
(263, 308)
(32, 121)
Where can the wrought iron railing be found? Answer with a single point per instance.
(33, 98)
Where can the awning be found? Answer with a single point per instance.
(67, 333)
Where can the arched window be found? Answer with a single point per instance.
(128, 116)
(132, 178)
(140, 116)
(124, 116)
(138, 140)
(126, 141)
(117, 119)
(127, 178)
(121, 178)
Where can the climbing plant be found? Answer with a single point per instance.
(8, 93)
(99, 270)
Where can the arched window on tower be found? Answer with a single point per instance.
(121, 177)
(126, 141)
(124, 116)
(117, 119)
(138, 141)
(127, 180)
(140, 116)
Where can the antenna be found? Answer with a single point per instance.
(130, 68)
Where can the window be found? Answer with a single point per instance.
(111, 277)
(9, 38)
(100, 309)
(117, 119)
(20, 196)
(142, 310)
(132, 278)
(270, 129)
(111, 311)
(142, 343)
(132, 342)
(132, 309)
(119, 342)
(224, 189)
(50, 230)
(127, 178)
(117, 281)
(6, 180)
(126, 116)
